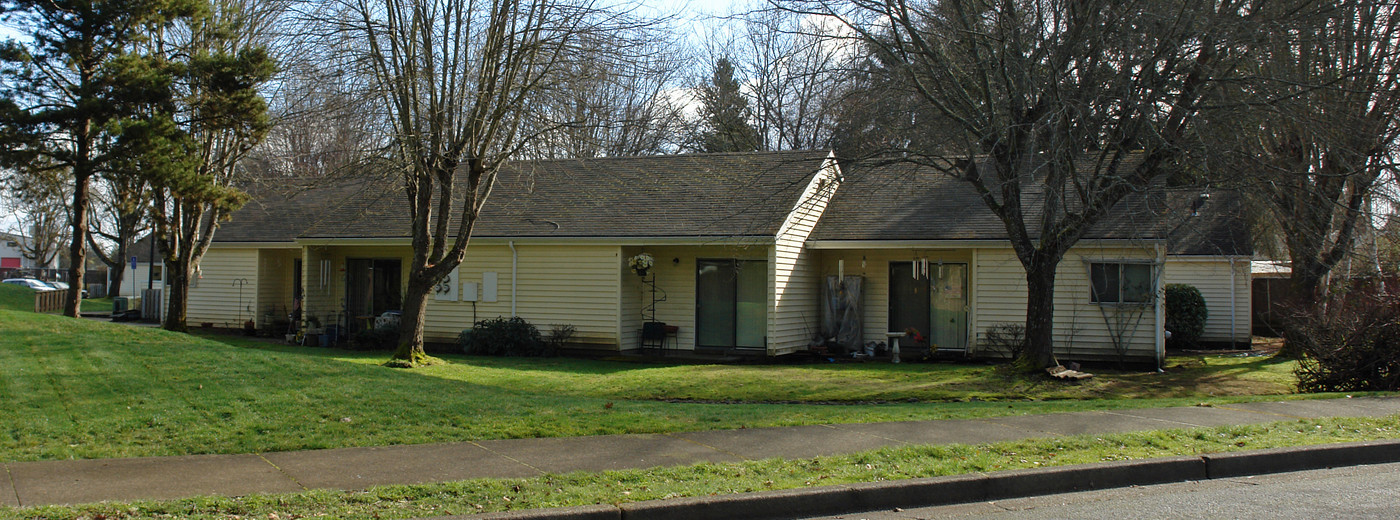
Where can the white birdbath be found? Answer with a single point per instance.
(894, 345)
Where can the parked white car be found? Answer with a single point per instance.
(30, 283)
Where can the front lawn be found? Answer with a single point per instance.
(859, 383)
(89, 389)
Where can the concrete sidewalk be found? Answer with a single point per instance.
(82, 481)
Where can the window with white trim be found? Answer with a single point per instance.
(1121, 282)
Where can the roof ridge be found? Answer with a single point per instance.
(676, 156)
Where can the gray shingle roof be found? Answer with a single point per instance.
(280, 210)
(701, 195)
(903, 201)
(715, 196)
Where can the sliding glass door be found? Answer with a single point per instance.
(372, 286)
(731, 303)
(931, 300)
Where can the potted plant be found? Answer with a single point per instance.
(641, 264)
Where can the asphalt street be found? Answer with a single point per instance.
(1355, 492)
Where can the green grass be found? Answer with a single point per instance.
(87, 389)
(97, 304)
(16, 298)
(488, 495)
(1186, 377)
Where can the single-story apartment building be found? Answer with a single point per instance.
(750, 250)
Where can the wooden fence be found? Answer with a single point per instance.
(45, 301)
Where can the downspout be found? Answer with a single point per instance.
(1158, 334)
(514, 270)
(1233, 290)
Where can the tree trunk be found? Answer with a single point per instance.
(1040, 314)
(415, 307)
(1306, 279)
(179, 281)
(1307, 284)
(77, 249)
(117, 275)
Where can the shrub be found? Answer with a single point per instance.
(504, 337)
(1006, 338)
(1186, 315)
(558, 336)
(1354, 348)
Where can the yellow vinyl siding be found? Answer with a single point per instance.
(997, 286)
(1083, 330)
(214, 298)
(630, 304)
(675, 279)
(558, 285)
(1211, 276)
(275, 276)
(794, 288)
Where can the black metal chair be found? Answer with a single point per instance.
(654, 336)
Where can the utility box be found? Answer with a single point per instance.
(489, 282)
(120, 304)
(150, 304)
(469, 290)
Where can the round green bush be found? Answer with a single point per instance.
(1186, 315)
(504, 337)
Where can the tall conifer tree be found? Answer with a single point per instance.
(68, 84)
(727, 127)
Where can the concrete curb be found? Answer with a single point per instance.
(926, 492)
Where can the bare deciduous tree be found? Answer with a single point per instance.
(798, 68)
(121, 205)
(455, 81)
(1055, 110)
(36, 201)
(1322, 152)
(614, 99)
(1313, 143)
(322, 121)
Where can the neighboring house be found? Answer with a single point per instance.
(744, 245)
(146, 274)
(12, 254)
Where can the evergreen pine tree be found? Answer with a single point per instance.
(725, 110)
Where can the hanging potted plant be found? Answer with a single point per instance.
(641, 264)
